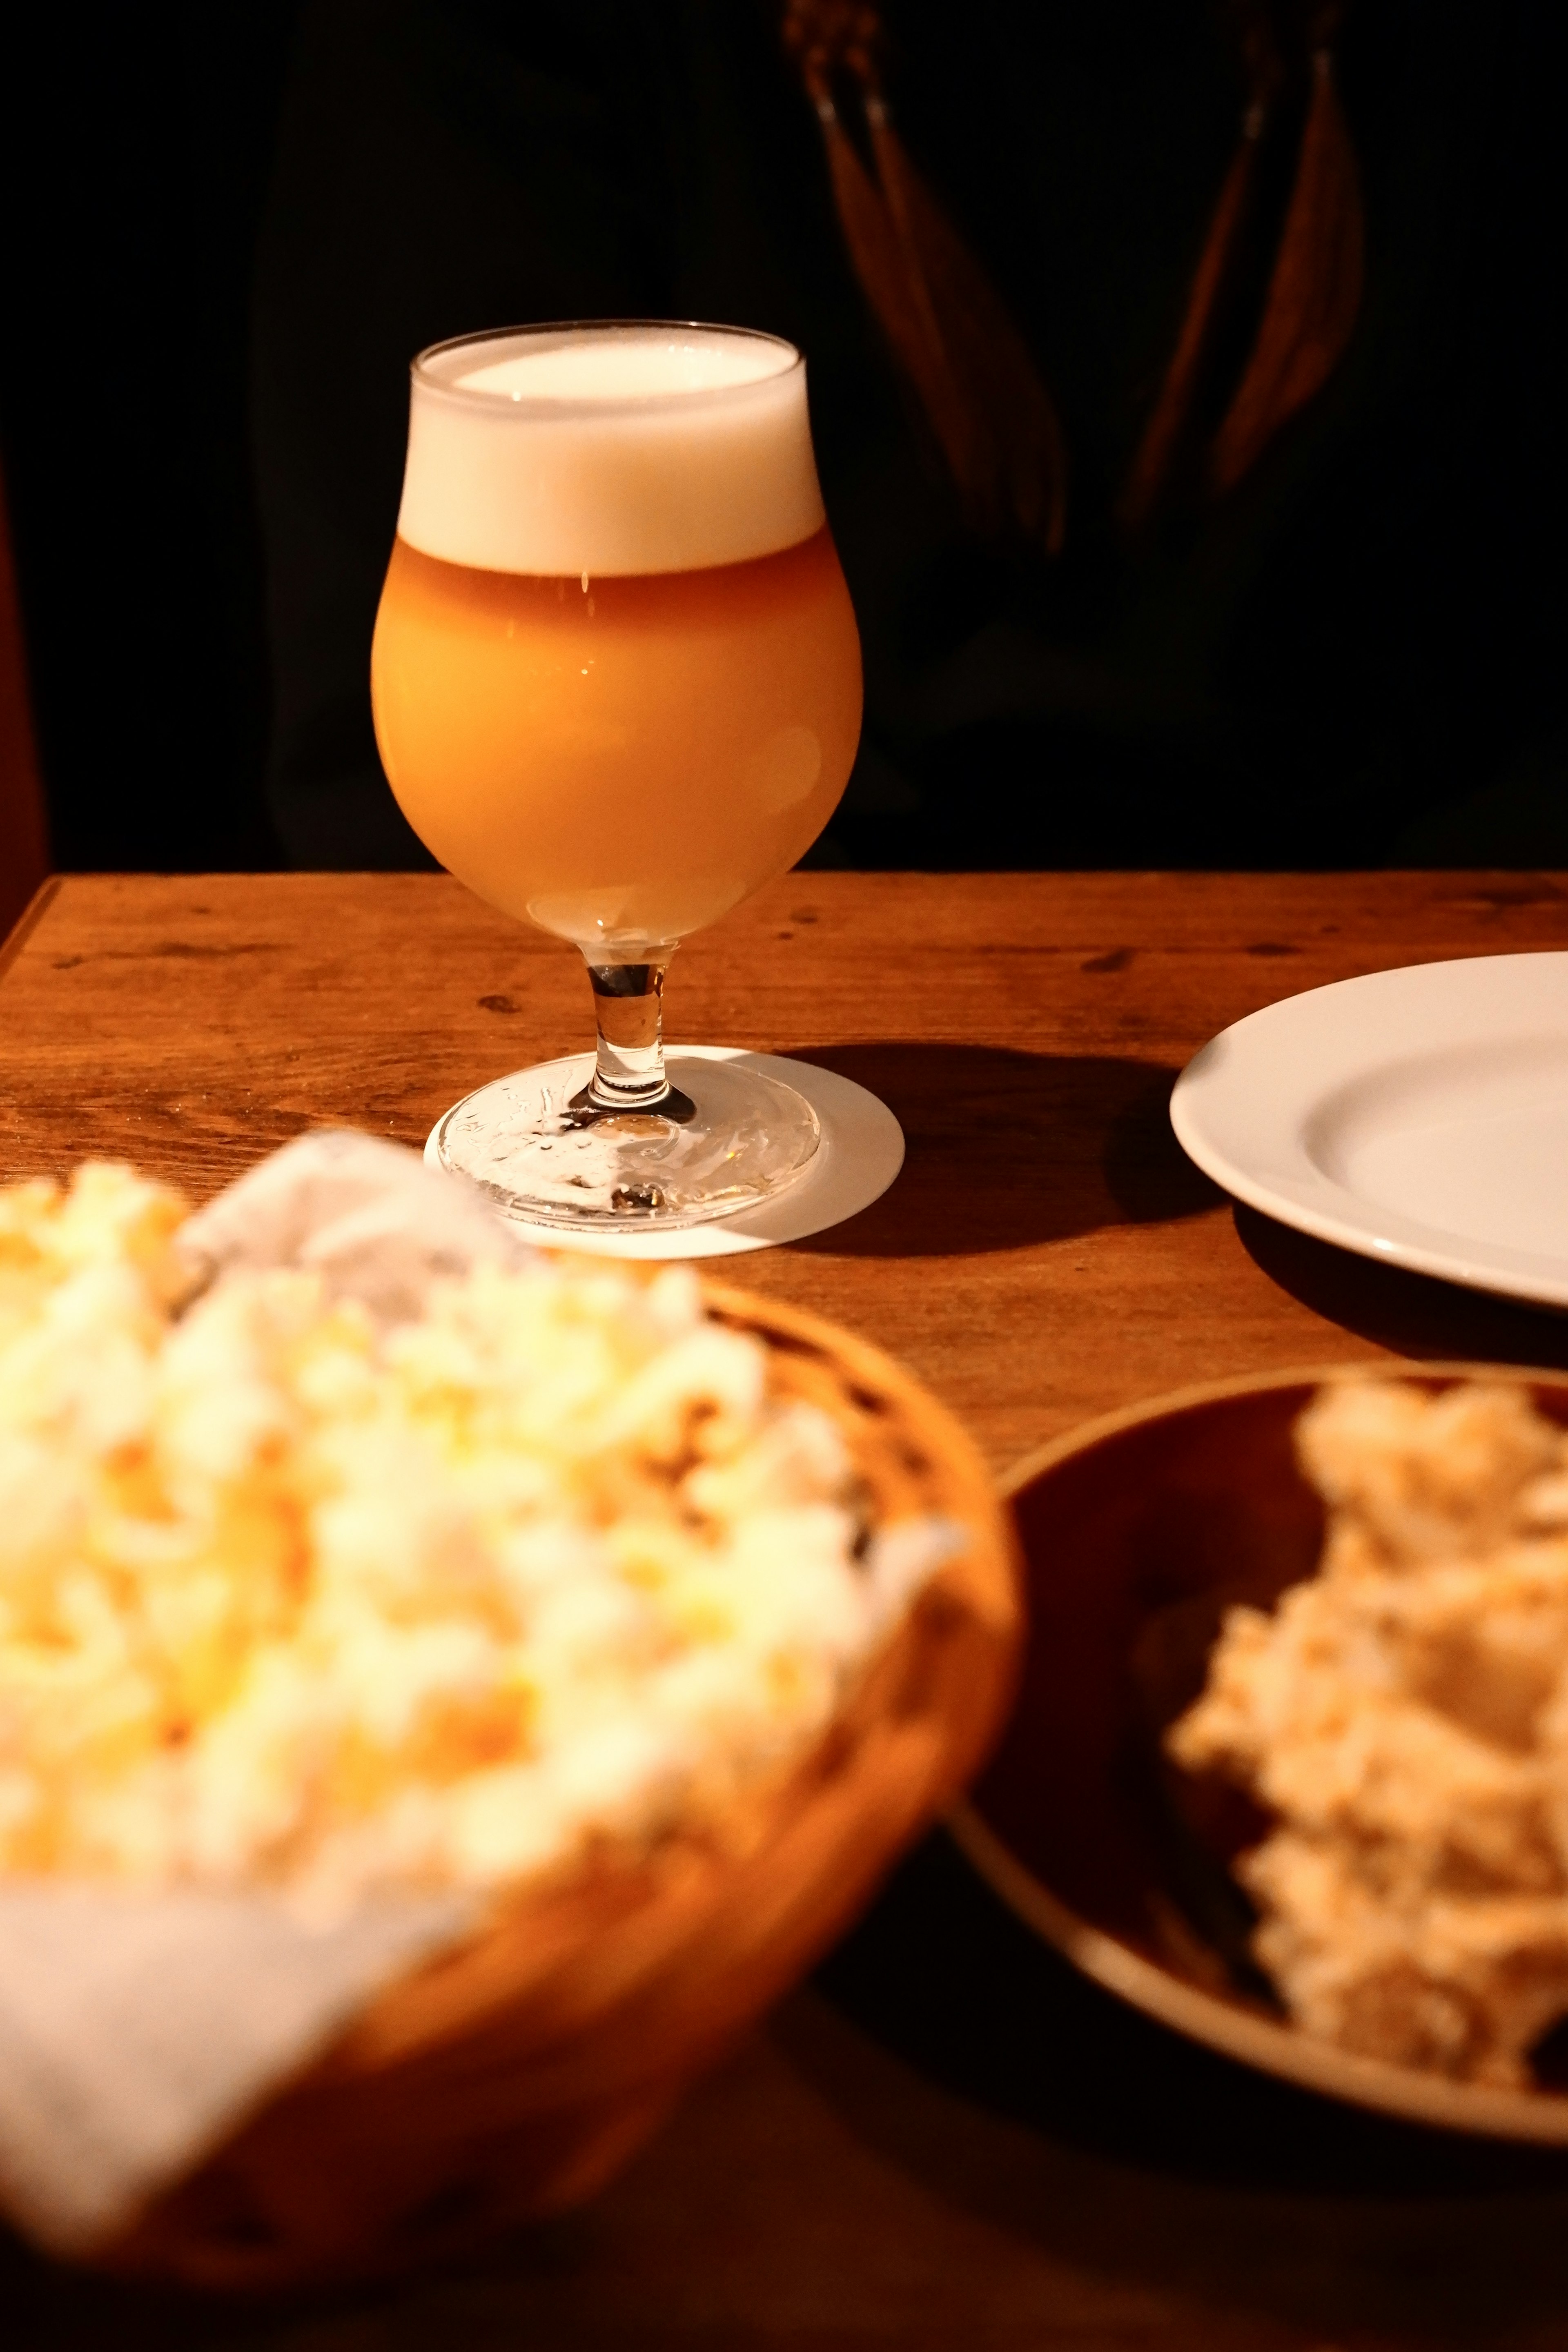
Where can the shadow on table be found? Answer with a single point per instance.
(44, 2308)
(1157, 2160)
(1413, 1314)
(1008, 1149)
(950, 2094)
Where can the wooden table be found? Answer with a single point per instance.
(948, 2140)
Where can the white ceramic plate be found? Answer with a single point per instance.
(1418, 1116)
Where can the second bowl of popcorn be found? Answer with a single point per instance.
(1289, 1765)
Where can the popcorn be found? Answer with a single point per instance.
(289, 1600)
(1404, 1717)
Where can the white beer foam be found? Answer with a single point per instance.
(610, 450)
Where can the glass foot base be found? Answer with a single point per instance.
(524, 1143)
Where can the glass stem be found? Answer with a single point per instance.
(629, 1069)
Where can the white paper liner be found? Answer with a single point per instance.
(136, 2032)
(367, 1216)
(860, 1153)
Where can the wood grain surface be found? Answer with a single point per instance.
(950, 2141)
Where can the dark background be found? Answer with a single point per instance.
(135, 145)
(1391, 600)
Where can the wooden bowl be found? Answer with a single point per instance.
(512, 2077)
(1137, 1532)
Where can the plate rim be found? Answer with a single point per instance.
(1540, 2118)
(1382, 1235)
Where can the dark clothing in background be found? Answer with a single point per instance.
(1368, 634)
(1357, 659)
(136, 145)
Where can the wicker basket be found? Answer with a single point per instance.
(513, 2076)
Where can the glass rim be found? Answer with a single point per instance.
(422, 373)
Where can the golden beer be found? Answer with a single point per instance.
(616, 675)
(619, 759)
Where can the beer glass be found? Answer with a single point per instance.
(616, 685)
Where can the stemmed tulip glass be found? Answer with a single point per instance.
(616, 684)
